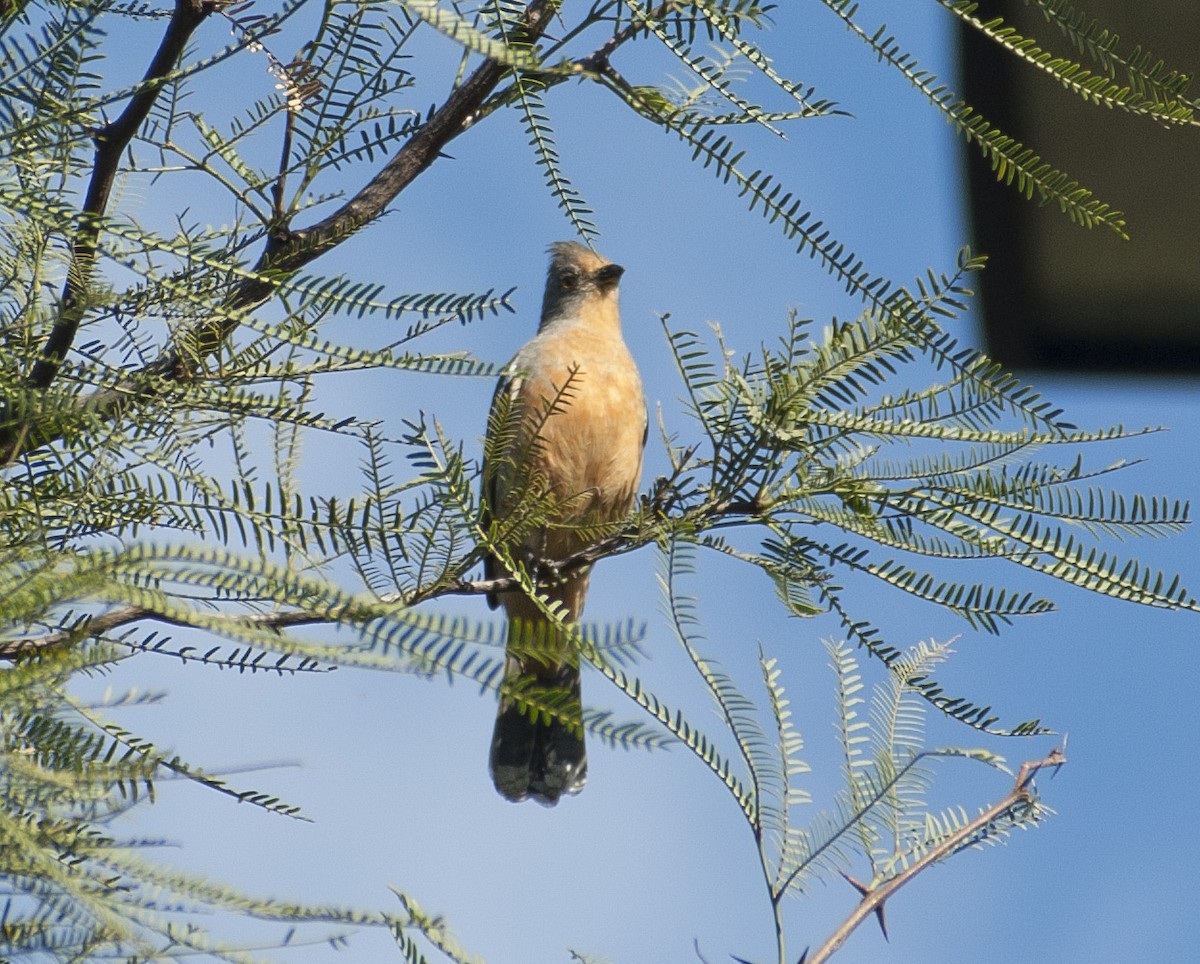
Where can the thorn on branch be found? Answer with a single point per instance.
(865, 892)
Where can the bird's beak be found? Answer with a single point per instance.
(609, 275)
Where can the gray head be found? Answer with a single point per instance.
(577, 273)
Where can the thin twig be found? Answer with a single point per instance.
(106, 622)
(635, 533)
(279, 187)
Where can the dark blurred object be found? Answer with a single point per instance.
(1057, 295)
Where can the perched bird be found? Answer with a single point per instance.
(565, 441)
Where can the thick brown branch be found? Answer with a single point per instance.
(286, 250)
(111, 141)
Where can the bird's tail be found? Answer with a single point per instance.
(537, 746)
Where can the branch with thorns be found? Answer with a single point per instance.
(1020, 799)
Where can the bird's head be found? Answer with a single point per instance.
(578, 277)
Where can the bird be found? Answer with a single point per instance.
(566, 434)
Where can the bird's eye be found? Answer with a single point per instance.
(568, 279)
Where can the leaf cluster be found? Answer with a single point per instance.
(840, 475)
(881, 816)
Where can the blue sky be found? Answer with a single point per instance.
(654, 856)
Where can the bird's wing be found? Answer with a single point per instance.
(494, 485)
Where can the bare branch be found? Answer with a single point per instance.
(1021, 796)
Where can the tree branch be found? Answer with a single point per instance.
(658, 504)
(126, 615)
(111, 141)
(285, 252)
(1021, 796)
